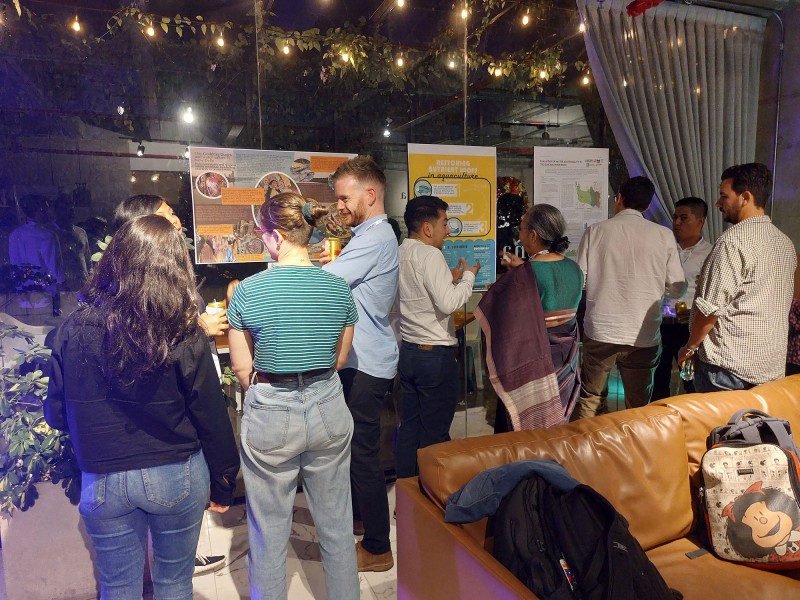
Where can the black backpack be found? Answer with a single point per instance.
(567, 544)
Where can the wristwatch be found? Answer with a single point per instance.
(692, 350)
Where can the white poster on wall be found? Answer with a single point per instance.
(574, 180)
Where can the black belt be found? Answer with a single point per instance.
(265, 377)
(426, 347)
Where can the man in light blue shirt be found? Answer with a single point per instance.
(369, 263)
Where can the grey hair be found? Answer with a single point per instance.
(549, 224)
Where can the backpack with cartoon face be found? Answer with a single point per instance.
(750, 491)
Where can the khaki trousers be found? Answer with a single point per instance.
(636, 366)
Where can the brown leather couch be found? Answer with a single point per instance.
(645, 461)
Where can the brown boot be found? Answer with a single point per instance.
(367, 561)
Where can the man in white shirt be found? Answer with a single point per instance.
(428, 293)
(687, 227)
(629, 264)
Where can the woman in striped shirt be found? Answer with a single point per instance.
(291, 328)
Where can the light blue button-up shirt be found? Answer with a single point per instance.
(369, 263)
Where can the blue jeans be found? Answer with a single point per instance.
(118, 509)
(711, 378)
(299, 427)
(430, 394)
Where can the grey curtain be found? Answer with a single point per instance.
(679, 85)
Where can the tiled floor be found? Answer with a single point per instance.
(227, 534)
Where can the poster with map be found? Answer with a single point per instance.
(466, 178)
(575, 180)
(229, 186)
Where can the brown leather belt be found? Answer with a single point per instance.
(265, 377)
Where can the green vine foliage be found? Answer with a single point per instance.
(305, 95)
(30, 451)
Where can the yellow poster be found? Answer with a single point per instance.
(465, 177)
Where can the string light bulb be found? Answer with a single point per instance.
(581, 27)
(400, 61)
(133, 178)
(120, 110)
(542, 74)
(464, 13)
(345, 56)
(76, 25)
(186, 152)
(155, 177)
(498, 71)
(401, 3)
(140, 150)
(526, 18)
(585, 80)
(188, 115)
(286, 48)
(451, 64)
(220, 41)
(150, 30)
(386, 133)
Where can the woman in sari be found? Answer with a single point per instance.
(560, 284)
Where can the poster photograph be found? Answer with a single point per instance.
(230, 185)
(466, 178)
(574, 180)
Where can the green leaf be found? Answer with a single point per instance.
(166, 30)
(213, 28)
(203, 28)
(179, 31)
(19, 10)
(165, 19)
(198, 18)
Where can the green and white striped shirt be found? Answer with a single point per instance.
(294, 315)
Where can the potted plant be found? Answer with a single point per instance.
(37, 470)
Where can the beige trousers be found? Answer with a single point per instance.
(636, 367)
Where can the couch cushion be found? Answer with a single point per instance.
(708, 578)
(702, 412)
(636, 458)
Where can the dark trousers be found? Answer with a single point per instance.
(430, 393)
(365, 396)
(673, 337)
(711, 378)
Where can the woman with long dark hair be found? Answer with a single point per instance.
(291, 328)
(133, 382)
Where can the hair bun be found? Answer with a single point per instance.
(307, 214)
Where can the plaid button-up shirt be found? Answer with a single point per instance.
(747, 282)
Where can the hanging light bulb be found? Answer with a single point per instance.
(585, 80)
(581, 27)
(542, 74)
(464, 13)
(155, 177)
(345, 56)
(133, 178)
(186, 152)
(526, 18)
(220, 41)
(451, 63)
(286, 48)
(150, 30)
(76, 25)
(401, 3)
(120, 110)
(188, 115)
(140, 150)
(400, 62)
(498, 71)
(386, 133)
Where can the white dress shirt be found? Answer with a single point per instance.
(426, 296)
(692, 259)
(629, 264)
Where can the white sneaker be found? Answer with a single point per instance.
(207, 564)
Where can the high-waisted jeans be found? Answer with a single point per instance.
(298, 427)
(119, 508)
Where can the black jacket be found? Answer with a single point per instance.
(161, 419)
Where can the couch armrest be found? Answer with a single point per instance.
(438, 560)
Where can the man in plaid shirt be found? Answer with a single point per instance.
(740, 313)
